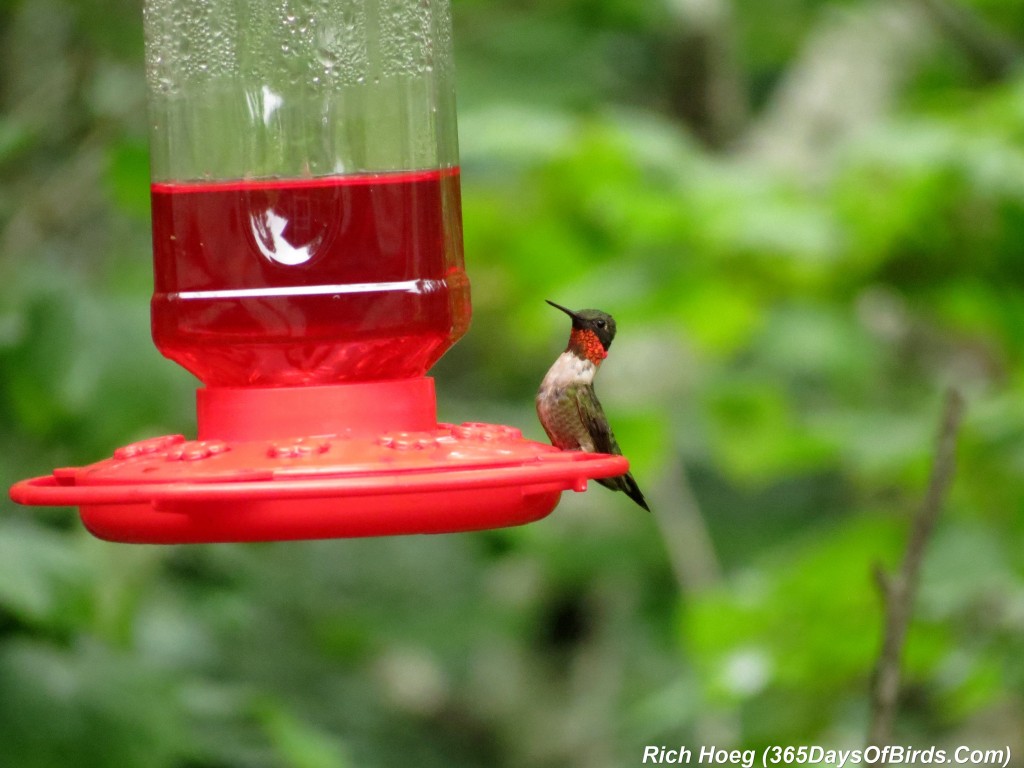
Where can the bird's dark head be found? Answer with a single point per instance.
(590, 323)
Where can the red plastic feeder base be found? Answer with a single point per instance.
(318, 462)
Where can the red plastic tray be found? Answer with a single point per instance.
(318, 462)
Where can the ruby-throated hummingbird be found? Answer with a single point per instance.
(568, 409)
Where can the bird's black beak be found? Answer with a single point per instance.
(569, 312)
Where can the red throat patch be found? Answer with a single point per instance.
(585, 344)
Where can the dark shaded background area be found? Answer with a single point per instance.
(808, 220)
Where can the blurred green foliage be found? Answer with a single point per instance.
(791, 304)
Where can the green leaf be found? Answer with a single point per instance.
(127, 177)
(300, 744)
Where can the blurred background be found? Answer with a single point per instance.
(807, 217)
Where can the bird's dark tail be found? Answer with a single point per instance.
(628, 486)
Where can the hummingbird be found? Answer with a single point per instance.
(567, 406)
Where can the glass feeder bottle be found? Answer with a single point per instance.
(306, 209)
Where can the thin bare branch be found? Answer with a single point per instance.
(899, 590)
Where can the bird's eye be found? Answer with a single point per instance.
(601, 323)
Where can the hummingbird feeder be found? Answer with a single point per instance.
(308, 265)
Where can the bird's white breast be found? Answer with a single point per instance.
(561, 421)
(568, 369)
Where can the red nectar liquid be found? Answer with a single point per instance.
(316, 281)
